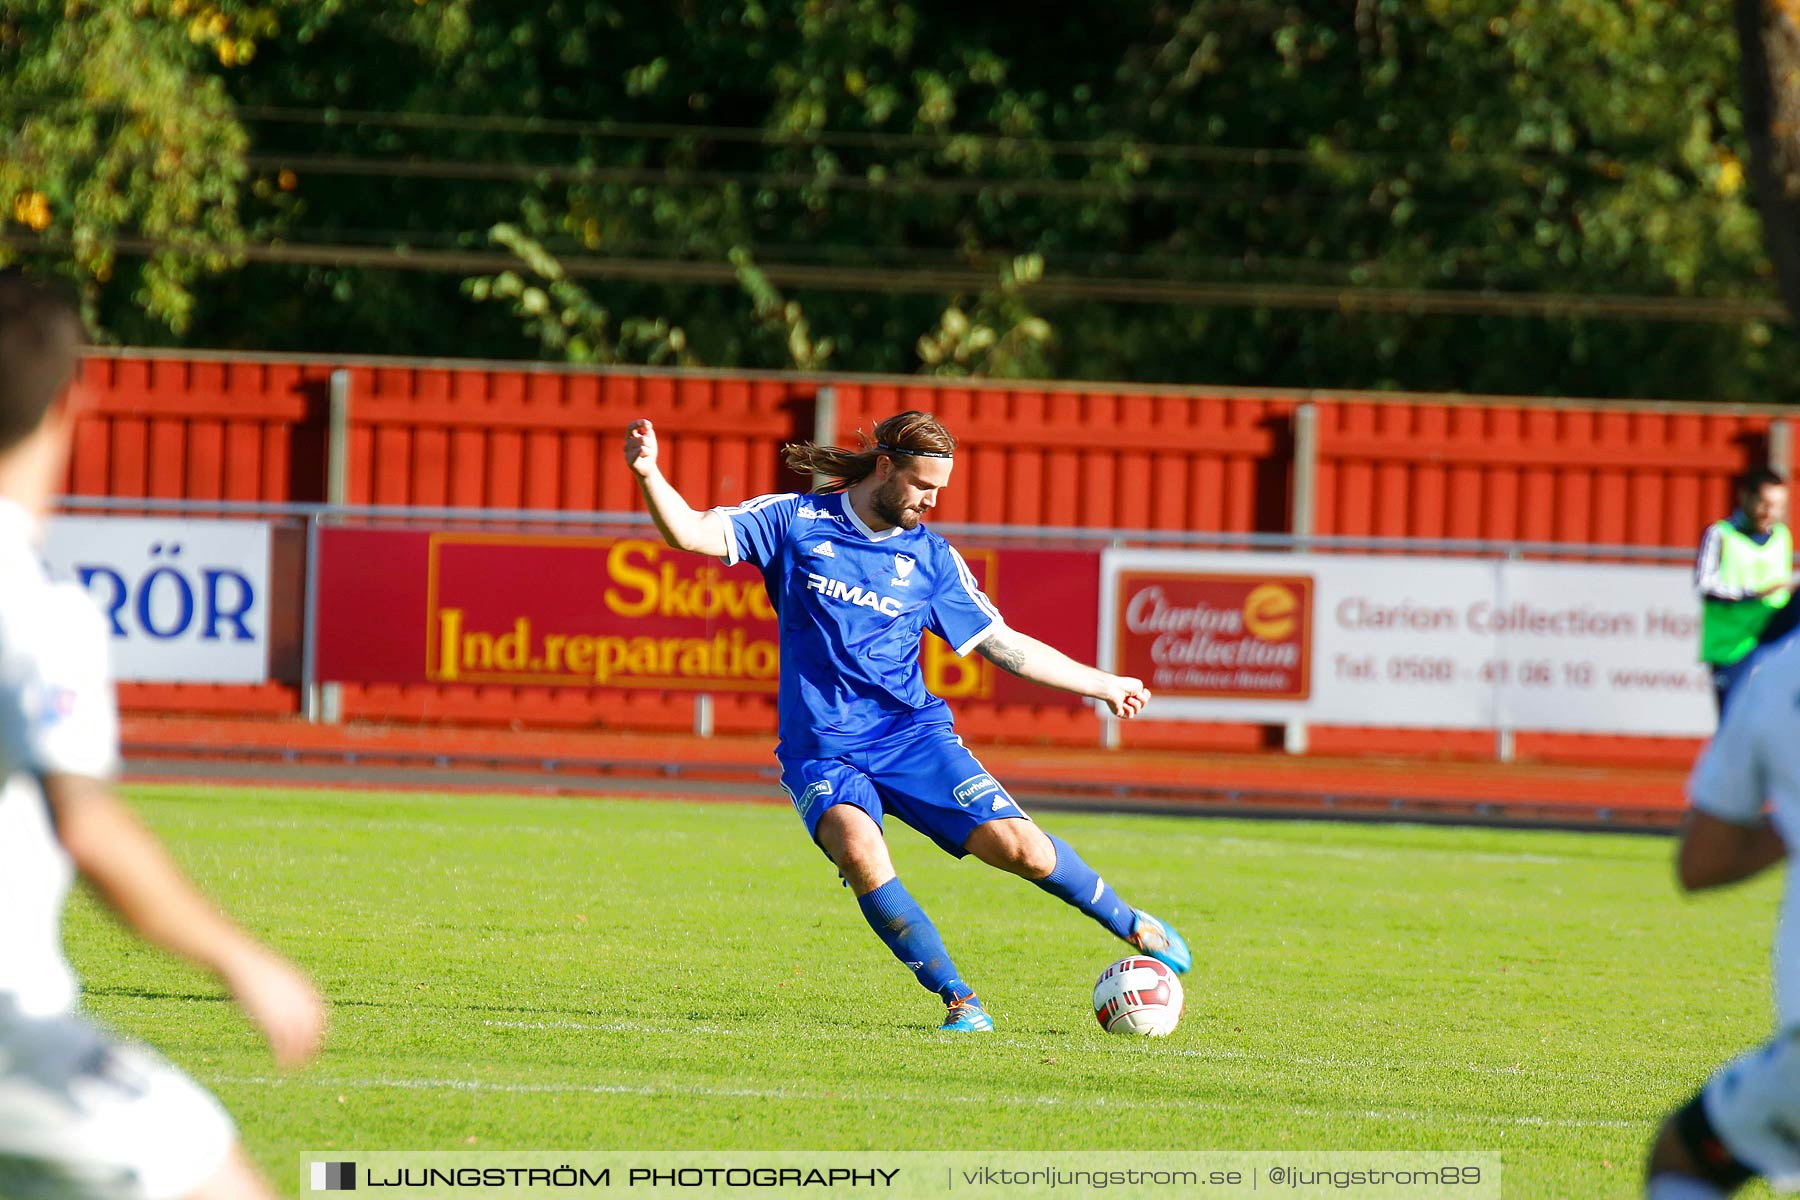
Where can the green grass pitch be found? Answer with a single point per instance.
(564, 974)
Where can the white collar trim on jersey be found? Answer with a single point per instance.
(857, 522)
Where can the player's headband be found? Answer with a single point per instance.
(887, 449)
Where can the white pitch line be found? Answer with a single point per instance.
(623, 1027)
(1376, 853)
(1141, 1054)
(1125, 1046)
(864, 1097)
(1268, 846)
(377, 825)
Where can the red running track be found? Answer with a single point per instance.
(287, 750)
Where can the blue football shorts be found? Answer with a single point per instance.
(923, 775)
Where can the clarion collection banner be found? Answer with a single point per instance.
(1392, 641)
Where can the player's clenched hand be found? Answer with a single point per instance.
(1126, 696)
(281, 1002)
(640, 447)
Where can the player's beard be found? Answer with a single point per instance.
(886, 501)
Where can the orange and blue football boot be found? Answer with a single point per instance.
(965, 1015)
(1160, 942)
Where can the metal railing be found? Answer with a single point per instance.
(1033, 535)
(320, 701)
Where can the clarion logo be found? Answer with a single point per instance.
(837, 589)
(971, 790)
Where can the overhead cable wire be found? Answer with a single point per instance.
(1071, 189)
(883, 139)
(1197, 293)
(868, 255)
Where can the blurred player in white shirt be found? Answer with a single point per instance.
(83, 1114)
(1746, 1121)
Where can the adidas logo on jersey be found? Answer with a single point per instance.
(837, 589)
(825, 549)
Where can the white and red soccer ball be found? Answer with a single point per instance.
(1138, 995)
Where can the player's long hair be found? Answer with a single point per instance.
(919, 432)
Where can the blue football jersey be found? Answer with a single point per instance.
(852, 603)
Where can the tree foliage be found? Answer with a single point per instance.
(1160, 190)
(114, 128)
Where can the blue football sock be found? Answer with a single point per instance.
(898, 921)
(1074, 882)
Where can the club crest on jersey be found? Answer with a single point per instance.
(837, 589)
(903, 566)
(56, 705)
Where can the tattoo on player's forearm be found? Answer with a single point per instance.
(1007, 655)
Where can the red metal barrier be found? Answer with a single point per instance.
(1104, 458)
(435, 436)
(551, 439)
(505, 436)
(482, 436)
(202, 429)
(1514, 471)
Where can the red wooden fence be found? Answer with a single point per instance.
(1105, 457)
(1511, 470)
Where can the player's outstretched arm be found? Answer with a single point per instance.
(1031, 659)
(680, 526)
(135, 875)
(1714, 852)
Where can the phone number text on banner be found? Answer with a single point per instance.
(1382, 641)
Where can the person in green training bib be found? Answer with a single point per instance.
(1745, 575)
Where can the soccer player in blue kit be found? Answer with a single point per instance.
(854, 578)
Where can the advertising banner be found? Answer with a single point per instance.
(593, 612)
(1244, 637)
(417, 606)
(1601, 647)
(186, 601)
(1387, 641)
